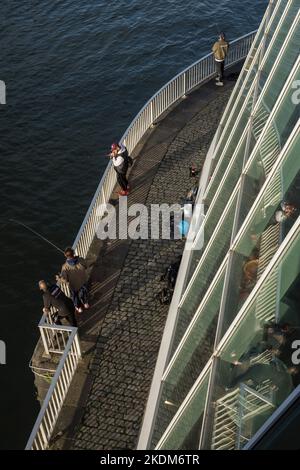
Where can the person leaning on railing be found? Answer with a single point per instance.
(54, 297)
(121, 161)
(220, 51)
(74, 272)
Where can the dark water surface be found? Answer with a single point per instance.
(76, 72)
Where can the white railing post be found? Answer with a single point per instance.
(44, 341)
(44, 437)
(103, 193)
(54, 400)
(77, 345)
(184, 85)
(152, 112)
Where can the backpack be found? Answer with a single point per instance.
(127, 158)
(56, 291)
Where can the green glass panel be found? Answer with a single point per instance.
(217, 209)
(209, 266)
(185, 434)
(264, 233)
(255, 372)
(200, 339)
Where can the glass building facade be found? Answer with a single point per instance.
(228, 364)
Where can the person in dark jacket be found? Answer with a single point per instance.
(74, 272)
(220, 51)
(54, 297)
(120, 159)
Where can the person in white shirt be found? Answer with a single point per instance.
(119, 156)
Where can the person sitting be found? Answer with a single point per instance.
(250, 270)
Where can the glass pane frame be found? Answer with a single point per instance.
(269, 283)
(188, 417)
(192, 297)
(285, 93)
(266, 88)
(196, 331)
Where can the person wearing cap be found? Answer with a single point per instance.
(119, 156)
(220, 51)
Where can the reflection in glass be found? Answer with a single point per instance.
(255, 372)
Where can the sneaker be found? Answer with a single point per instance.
(219, 83)
(86, 306)
(79, 310)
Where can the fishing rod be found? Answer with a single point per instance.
(32, 231)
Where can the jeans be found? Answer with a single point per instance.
(80, 297)
(220, 70)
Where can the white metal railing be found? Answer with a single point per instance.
(62, 340)
(65, 341)
(234, 410)
(54, 337)
(169, 94)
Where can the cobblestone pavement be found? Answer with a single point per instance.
(127, 347)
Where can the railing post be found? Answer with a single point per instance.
(103, 193)
(44, 437)
(44, 340)
(184, 85)
(77, 345)
(152, 112)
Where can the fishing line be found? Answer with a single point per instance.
(32, 231)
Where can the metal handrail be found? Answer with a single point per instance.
(195, 79)
(167, 96)
(42, 431)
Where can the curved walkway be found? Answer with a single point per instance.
(122, 333)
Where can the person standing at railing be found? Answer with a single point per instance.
(121, 162)
(54, 297)
(74, 271)
(220, 51)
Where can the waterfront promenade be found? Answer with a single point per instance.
(121, 333)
